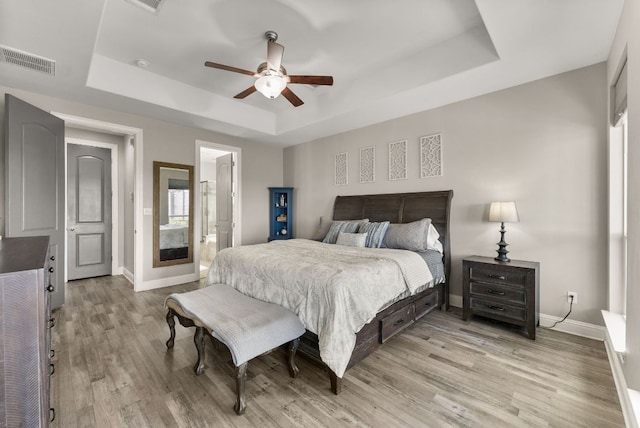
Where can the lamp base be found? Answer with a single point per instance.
(502, 247)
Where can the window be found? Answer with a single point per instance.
(178, 201)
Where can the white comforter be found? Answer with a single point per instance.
(335, 290)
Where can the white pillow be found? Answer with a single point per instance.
(351, 239)
(433, 243)
(407, 236)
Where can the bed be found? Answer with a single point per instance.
(174, 241)
(288, 273)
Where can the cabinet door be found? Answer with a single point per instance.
(34, 180)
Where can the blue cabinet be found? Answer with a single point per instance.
(280, 213)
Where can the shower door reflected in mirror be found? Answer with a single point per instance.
(208, 239)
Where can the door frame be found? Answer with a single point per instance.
(136, 139)
(237, 208)
(115, 202)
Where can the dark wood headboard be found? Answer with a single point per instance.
(402, 208)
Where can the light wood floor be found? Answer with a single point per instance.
(113, 369)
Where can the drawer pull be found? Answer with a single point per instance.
(427, 304)
(52, 353)
(51, 288)
(52, 369)
(494, 276)
(51, 269)
(497, 293)
(397, 323)
(495, 308)
(52, 322)
(52, 414)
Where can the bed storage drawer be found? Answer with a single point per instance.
(396, 322)
(426, 304)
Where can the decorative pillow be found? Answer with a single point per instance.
(351, 239)
(375, 233)
(407, 236)
(337, 226)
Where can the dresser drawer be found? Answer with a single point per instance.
(496, 292)
(494, 309)
(491, 274)
(396, 322)
(426, 304)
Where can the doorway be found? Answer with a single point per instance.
(217, 201)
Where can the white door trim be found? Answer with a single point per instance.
(237, 209)
(136, 135)
(115, 202)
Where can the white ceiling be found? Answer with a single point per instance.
(388, 59)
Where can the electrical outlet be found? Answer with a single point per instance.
(573, 294)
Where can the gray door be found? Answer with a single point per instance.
(34, 181)
(88, 211)
(224, 201)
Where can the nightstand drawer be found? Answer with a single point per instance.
(487, 273)
(500, 293)
(396, 322)
(479, 306)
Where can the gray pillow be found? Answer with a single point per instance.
(351, 239)
(407, 236)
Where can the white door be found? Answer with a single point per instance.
(224, 201)
(88, 211)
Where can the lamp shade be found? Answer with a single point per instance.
(270, 85)
(503, 212)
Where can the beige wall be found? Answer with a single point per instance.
(168, 142)
(542, 144)
(628, 39)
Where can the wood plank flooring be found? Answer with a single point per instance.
(112, 369)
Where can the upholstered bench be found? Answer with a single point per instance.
(247, 326)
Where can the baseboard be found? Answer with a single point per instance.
(455, 300)
(167, 282)
(127, 274)
(577, 328)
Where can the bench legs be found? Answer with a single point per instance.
(241, 370)
(198, 339)
(241, 380)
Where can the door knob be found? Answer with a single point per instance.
(72, 229)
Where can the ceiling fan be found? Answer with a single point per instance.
(272, 78)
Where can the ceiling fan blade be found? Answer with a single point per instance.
(312, 80)
(229, 68)
(250, 90)
(274, 55)
(293, 98)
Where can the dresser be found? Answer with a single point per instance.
(25, 317)
(504, 291)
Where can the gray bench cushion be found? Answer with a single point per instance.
(249, 327)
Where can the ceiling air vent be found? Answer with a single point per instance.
(152, 6)
(27, 60)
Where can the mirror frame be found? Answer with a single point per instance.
(156, 214)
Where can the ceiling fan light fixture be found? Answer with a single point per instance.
(270, 85)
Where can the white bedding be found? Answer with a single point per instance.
(334, 289)
(174, 236)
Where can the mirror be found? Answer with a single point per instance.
(172, 214)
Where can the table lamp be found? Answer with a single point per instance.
(503, 212)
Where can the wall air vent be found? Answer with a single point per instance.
(151, 6)
(27, 60)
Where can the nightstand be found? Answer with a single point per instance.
(508, 292)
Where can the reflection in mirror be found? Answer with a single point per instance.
(172, 214)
